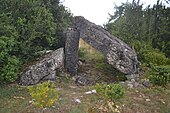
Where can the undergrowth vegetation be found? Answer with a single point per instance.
(9, 72)
(43, 95)
(159, 75)
(154, 58)
(112, 92)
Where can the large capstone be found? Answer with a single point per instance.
(45, 69)
(117, 53)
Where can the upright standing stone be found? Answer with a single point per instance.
(71, 51)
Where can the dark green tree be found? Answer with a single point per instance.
(62, 18)
(27, 27)
(9, 63)
(138, 26)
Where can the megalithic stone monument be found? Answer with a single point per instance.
(117, 53)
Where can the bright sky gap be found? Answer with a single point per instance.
(97, 11)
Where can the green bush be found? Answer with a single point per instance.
(44, 94)
(155, 58)
(147, 55)
(111, 92)
(9, 64)
(159, 75)
(9, 72)
(141, 46)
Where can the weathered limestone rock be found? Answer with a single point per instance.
(117, 53)
(44, 69)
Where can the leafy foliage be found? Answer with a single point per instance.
(9, 72)
(133, 23)
(159, 75)
(148, 55)
(155, 58)
(9, 63)
(63, 19)
(29, 26)
(111, 92)
(44, 94)
(33, 23)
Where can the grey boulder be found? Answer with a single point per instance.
(44, 69)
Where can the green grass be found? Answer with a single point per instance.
(13, 99)
(159, 100)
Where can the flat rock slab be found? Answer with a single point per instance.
(45, 69)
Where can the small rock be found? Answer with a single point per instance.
(31, 102)
(15, 97)
(81, 81)
(148, 100)
(44, 109)
(53, 107)
(90, 92)
(146, 83)
(130, 85)
(162, 101)
(80, 63)
(133, 80)
(77, 101)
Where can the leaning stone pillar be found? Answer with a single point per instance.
(71, 51)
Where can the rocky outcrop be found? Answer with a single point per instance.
(117, 53)
(45, 69)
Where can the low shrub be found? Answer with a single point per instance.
(9, 71)
(44, 94)
(159, 75)
(111, 92)
(155, 58)
(148, 55)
